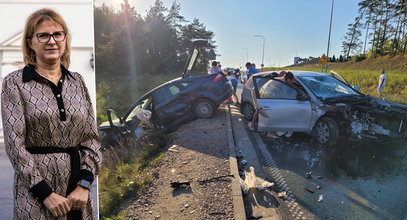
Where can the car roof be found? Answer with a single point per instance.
(297, 73)
(179, 79)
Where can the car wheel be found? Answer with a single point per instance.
(326, 131)
(247, 111)
(204, 108)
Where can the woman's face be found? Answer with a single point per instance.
(51, 51)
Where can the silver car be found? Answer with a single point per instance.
(323, 105)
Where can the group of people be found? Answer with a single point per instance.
(233, 76)
(215, 68)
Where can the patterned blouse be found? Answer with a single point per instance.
(36, 113)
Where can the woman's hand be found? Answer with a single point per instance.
(57, 205)
(78, 198)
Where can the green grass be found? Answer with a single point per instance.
(124, 175)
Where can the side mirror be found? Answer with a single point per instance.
(114, 119)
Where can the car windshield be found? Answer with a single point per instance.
(327, 87)
(144, 104)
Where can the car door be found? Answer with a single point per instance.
(281, 108)
(172, 104)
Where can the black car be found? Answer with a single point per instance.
(173, 103)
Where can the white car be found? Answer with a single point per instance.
(324, 107)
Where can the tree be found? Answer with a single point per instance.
(128, 44)
(104, 23)
(351, 39)
(195, 30)
(384, 23)
(161, 37)
(401, 23)
(341, 58)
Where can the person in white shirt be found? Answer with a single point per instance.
(215, 68)
(382, 83)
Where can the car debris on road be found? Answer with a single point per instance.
(180, 184)
(320, 198)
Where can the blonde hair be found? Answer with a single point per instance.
(32, 22)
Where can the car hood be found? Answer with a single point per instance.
(369, 103)
(351, 99)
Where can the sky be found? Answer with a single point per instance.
(290, 27)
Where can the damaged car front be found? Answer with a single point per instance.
(368, 117)
(325, 107)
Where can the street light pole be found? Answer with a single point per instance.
(262, 58)
(247, 53)
(329, 37)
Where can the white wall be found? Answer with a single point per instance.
(78, 15)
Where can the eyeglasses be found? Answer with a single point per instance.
(45, 37)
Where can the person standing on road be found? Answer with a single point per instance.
(250, 70)
(382, 83)
(214, 68)
(234, 82)
(50, 131)
(236, 73)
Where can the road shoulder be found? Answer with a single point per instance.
(198, 157)
(259, 203)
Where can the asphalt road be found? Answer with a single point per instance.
(357, 180)
(6, 186)
(365, 180)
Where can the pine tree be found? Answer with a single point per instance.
(351, 39)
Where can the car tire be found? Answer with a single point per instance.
(204, 108)
(326, 131)
(247, 111)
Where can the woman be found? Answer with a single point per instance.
(49, 126)
(214, 68)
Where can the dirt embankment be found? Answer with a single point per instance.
(200, 156)
(389, 63)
